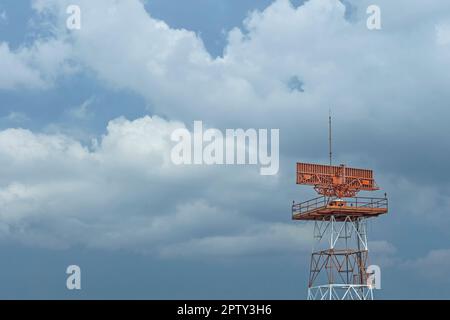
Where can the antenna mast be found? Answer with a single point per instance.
(329, 135)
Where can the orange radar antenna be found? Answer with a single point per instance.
(335, 181)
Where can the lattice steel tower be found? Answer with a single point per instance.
(339, 260)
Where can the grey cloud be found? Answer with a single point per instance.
(388, 91)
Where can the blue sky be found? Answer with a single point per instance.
(85, 123)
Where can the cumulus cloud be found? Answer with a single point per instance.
(378, 84)
(20, 73)
(364, 76)
(124, 192)
(36, 67)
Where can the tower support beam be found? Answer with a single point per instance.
(338, 268)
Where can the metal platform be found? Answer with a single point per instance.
(323, 208)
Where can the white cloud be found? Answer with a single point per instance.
(378, 82)
(443, 34)
(15, 71)
(37, 66)
(82, 111)
(124, 192)
(348, 66)
(129, 49)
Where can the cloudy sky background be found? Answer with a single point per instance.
(85, 124)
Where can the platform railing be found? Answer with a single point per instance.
(302, 207)
(356, 202)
